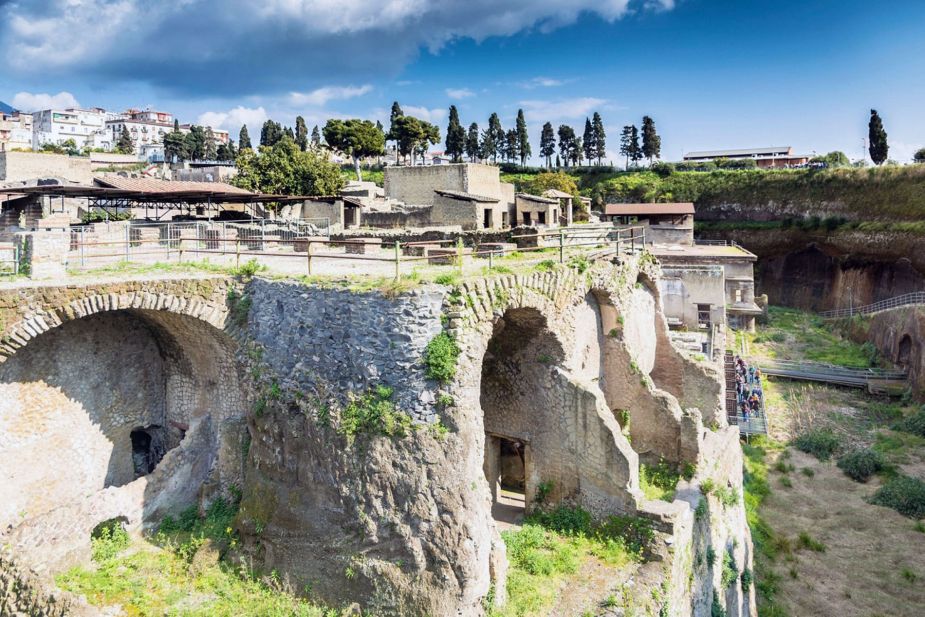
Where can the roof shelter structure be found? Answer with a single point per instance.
(111, 194)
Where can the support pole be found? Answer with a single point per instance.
(397, 260)
(308, 256)
(561, 246)
(459, 254)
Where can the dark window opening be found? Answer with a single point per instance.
(703, 315)
(526, 218)
(148, 448)
(541, 218)
(486, 219)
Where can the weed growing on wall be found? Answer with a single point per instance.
(373, 413)
(239, 306)
(658, 481)
(440, 357)
(730, 570)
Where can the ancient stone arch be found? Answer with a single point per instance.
(904, 351)
(115, 405)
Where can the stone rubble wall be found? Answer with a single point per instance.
(22, 166)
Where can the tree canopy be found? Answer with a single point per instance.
(244, 139)
(548, 143)
(651, 142)
(523, 138)
(413, 136)
(285, 170)
(356, 138)
(919, 156)
(301, 133)
(472, 143)
(271, 133)
(629, 144)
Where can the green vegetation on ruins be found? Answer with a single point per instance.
(188, 567)
(838, 474)
(553, 550)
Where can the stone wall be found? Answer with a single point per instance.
(21, 166)
(899, 336)
(416, 185)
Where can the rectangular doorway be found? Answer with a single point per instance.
(506, 471)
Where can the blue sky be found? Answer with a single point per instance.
(713, 73)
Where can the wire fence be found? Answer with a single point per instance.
(295, 247)
(9, 259)
(910, 299)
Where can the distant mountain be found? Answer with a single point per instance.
(6, 109)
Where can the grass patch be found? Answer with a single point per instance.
(914, 424)
(821, 443)
(161, 576)
(807, 542)
(658, 481)
(860, 464)
(550, 548)
(904, 494)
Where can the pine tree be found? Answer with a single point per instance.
(588, 144)
(651, 142)
(523, 138)
(455, 136)
(288, 132)
(558, 163)
(301, 133)
(316, 138)
(496, 137)
(125, 144)
(511, 146)
(635, 150)
(270, 133)
(600, 137)
(548, 143)
(626, 145)
(567, 143)
(176, 125)
(879, 148)
(244, 139)
(472, 143)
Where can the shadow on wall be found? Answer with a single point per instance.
(118, 414)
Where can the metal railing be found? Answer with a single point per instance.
(152, 243)
(910, 299)
(828, 373)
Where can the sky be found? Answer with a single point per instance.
(714, 74)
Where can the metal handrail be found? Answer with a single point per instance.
(909, 299)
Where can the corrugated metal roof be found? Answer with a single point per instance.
(642, 209)
(166, 186)
(466, 196)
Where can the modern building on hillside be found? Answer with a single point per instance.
(15, 130)
(766, 158)
(146, 127)
(87, 127)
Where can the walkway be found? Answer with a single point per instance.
(911, 299)
(744, 397)
(873, 379)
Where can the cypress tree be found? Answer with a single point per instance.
(301, 133)
(316, 137)
(125, 144)
(879, 148)
(548, 143)
(394, 129)
(588, 143)
(495, 136)
(600, 137)
(651, 142)
(244, 139)
(472, 143)
(523, 138)
(455, 136)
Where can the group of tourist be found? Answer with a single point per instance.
(749, 395)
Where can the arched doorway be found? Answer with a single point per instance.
(904, 351)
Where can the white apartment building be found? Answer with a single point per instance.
(87, 127)
(146, 127)
(15, 131)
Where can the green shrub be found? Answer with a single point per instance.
(700, 512)
(547, 265)
(904, 494)
(711, 556)
(914, 424)
(447, 279)
(716, 609)
(860, 464)
(440, 357)
(374, 413)
(658, 481)
(248, 269)
(820, 443)
(746, 580)
(107, 540)
(730, 570)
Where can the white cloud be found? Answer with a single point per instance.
(27, 101)
(459, 93)
(564, 109)
(431, 115)
(321, 96)
(233, 119)
(544, 82)
(264, 46)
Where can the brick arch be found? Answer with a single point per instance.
(19, 333)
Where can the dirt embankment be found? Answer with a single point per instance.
(819, 270)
